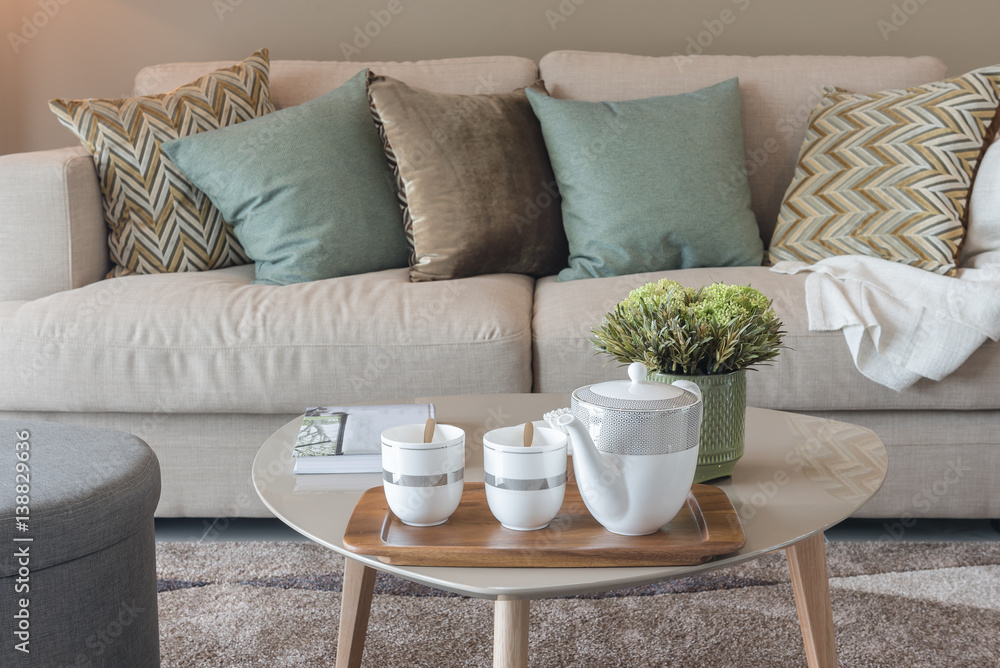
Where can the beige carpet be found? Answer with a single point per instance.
(277, 604)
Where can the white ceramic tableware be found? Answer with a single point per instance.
(635, 449)
(423, 482)
(525, 486)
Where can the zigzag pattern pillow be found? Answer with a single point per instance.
(889, 174)
(159, 221)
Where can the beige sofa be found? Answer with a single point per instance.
(204, 366)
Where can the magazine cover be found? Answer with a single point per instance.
(321, 433)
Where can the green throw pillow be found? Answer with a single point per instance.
(651, 184)
(307, 188)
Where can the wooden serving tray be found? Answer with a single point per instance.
(705, 527)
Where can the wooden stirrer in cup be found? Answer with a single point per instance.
(529, 434)
(429, 430)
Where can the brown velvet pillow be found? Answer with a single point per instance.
(474, 180)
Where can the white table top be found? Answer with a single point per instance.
(800, 475)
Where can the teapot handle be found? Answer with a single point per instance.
(689, 386)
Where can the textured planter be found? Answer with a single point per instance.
(723, 420)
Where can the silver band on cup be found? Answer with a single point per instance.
(526, 484)
(436, 480)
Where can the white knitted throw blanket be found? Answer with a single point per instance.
(901, 323)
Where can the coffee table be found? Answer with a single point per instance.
(800, 475)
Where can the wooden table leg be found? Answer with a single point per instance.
(810, 581)
(510, 633)
(356, 603)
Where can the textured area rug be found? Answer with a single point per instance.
(278, 604)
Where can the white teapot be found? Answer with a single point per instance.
(635, 449)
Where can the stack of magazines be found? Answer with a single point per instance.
(346, 441)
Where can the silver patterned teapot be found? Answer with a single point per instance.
(635, 449)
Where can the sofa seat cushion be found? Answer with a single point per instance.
(778, 94)
(210, 342)
(815, 373)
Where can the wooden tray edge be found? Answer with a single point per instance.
(391, 555)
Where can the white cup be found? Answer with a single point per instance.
(423, 482)
(525, 486)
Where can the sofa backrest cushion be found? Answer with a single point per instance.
(778, 94)
(296, 81)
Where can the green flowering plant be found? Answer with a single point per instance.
(672, 329)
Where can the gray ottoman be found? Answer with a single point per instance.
(78, 574)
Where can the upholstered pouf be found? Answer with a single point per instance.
(77, 550)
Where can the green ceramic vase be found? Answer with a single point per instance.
(724, 399)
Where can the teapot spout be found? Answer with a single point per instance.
(601, 485)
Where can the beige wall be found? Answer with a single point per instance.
(92, 48)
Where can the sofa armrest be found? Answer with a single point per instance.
(52, 231)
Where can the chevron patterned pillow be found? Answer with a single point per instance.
(159, 221)
(889, 174)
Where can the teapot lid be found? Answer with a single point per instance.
(636, 393)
